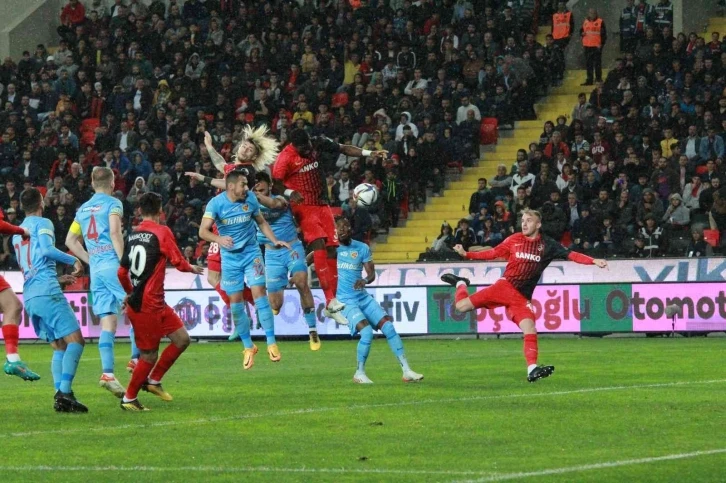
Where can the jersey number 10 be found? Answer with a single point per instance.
(137, 258)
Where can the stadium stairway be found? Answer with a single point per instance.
(405, 243)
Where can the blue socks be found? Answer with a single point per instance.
(242, 322)
(71, 357)
(134, 350)
(105, 347)
(309, 315)
(395, 343)
(364, 347)
(266, 319)
(56, 368)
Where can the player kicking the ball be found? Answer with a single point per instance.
(298, 174)
(361, 309)
(280, 262)
(149, 247)
(528, 254)
(49, 311)
(237, 215)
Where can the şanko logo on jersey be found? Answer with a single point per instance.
(528, 256)
(309, 167)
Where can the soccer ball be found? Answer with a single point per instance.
(365, 195)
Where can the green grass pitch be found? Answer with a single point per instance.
(621, 410)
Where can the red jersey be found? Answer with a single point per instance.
(147, 250)
(305, 175)
(527, 259)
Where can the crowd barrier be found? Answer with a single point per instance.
(579, 308)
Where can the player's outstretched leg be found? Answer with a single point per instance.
(242, 322)
(327, 270)
(396, 345)
(531, 352)
(139, 377)
(300, 279)
(179, 342)
(267, 320)
(12, 310)
(247, 297)
(364, 348)
(310, 319)
(71, 347)
(106, 341)
(134, 352)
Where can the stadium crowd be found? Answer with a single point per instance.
(133, 86)
(636, 169)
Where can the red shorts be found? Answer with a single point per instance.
(214, 258)
(149, 328)
(503, 294)
(4, 285)
(316, 222)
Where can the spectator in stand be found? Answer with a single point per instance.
(677, 217)
(698, 246)
(594, 37)
(653, 236)
(465, 235)
(585, 231)
(523, 178)
(692, 192)
(501, 183)
(445, 241)
(481, 198)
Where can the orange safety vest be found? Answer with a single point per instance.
(561, 25)
(592, 30)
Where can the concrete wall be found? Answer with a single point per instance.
(26, 23)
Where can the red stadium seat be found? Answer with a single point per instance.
(489, 130)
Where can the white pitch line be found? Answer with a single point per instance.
(250, 469)
(595, 466)
(357, 407)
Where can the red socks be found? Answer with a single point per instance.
(333, 270)
(167, 359)
(11, 335)
(461, 292)
(530, 349)
(322, 268)
(247, 296)
(222, 294)
(141, 373)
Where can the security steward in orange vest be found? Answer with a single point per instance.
(563, 24)
(593, 35)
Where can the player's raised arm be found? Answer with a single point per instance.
(500, 251)
(10, 229)
(267, 231)
(217, 159)
(168, 248)
(357, 152)
(272, 202)
(214, 182)
(46, 240)
(74, 242)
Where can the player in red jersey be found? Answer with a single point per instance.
(12, 311)
(147, 251)
(298, 173)
(253, 153)
(528, 254)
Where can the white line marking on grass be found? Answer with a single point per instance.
(356, 407)
(250, 469)
(596, 466)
